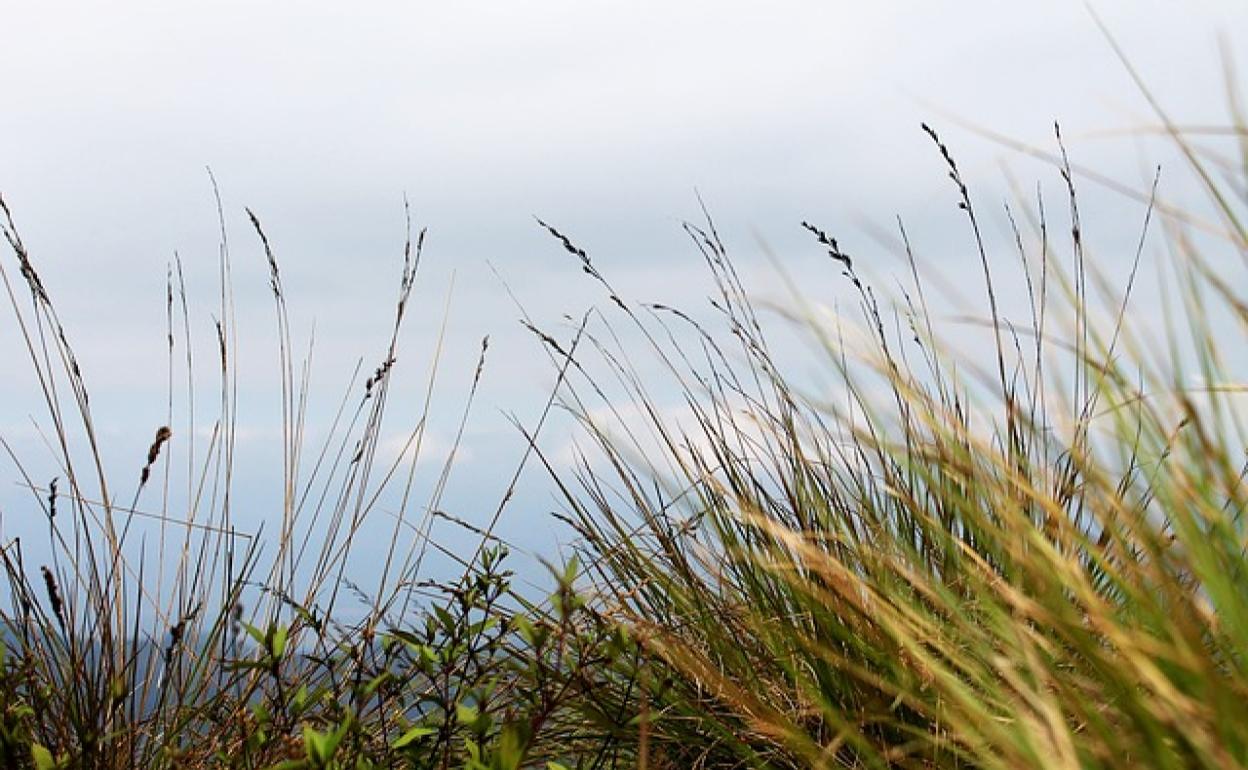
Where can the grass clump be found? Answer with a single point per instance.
(160, 634)
(1033, 558)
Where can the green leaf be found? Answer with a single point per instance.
(277, 647)
(513, 743)
(467, 715)
(315, 743)
(525, 629)
(376, 682)
(412, 641)
(570, 571)
(430, 655)
(413, 734)
(43, 758)
(256, 634)
(445, 618)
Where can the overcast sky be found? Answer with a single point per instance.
(600, 117)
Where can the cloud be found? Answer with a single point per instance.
(428, 450)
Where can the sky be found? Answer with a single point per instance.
(606, 119)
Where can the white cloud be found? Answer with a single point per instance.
(431, 449)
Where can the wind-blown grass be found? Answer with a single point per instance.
(1034, 559)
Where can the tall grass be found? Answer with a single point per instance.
(157, 632)
(1033, 558)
